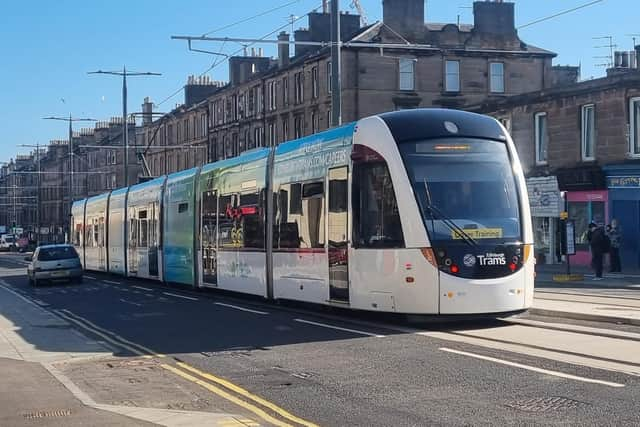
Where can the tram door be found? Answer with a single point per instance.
(208, 235)
(338, 225)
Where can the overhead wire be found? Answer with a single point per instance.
(560, 14)
(217, 62)
(242, 21)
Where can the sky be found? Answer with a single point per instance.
(49, 46)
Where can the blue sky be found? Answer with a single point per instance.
(48, 47)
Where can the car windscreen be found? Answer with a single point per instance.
(55, 254)
(9, 239)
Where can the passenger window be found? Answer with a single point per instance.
(183, 207)
(241, 221)
(144, 230)
(300, 216)
(376, 219)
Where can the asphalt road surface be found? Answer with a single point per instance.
(336, 369)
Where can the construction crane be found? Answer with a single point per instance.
(363, 15)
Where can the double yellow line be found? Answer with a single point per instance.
(233, 393)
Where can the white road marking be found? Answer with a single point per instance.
(339, 328)
(142, 287)
(112, 282)
(241, 308)
(181, 296)
(532, 368)
(90, 277)
(130, 302)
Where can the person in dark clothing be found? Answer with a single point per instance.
(598, 243)
(615, 236)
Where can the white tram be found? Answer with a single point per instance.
(417, 211)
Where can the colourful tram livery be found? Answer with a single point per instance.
(417, 212)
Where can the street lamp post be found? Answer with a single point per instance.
(70, 120)
(125, 128)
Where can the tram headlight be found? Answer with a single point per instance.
(428, 254)
(528, 249)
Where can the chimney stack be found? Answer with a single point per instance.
(405, 17)
(496, 18)
(147, 110)
(283, 49)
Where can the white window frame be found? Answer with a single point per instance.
(329, 77)
(447, 74)
(537, 136)
(406, 68)
(315, 92)
(492, 87)
(583, 128)
(634, 127)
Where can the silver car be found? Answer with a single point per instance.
(53, 263)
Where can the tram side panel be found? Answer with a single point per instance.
(77, 228)
(310, 232)
(95, 236)
(232, 196)
(116, 242)
(144, 250)
(179, 228)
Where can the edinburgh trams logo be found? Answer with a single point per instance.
(469, 260)
(492, 259)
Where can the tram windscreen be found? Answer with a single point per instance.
(466, 189)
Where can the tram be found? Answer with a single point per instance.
(417, 211)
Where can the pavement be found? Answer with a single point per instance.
(616, 298)
(44, 359)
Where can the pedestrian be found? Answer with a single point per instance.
(598, 243)
(615, 237)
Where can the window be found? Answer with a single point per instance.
(112, 157)
(329, 77)
(634, 126)
(588, 132)
(314, 121)
(271, 87)
(143, 235)
(258, 137)
(183, 207)
(285, 128)
(542, 138)
(300, 216)
(376, 219)
(583, 213)
(179, 131)
(271, 136)
(298, 124)
(247, 139)
(406, 72)
(285, 91)
(314, 82)
(496, 80)
(299, 87)
(329, 118)
(452, 76)
(259, 99)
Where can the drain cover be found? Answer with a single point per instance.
(48, 414)
(545, 404)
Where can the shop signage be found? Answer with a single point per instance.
(544, 196)
(623, 181)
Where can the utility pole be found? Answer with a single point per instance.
(70, 120)
(336, 68)
(125, 126)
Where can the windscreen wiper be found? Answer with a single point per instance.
(446, 220)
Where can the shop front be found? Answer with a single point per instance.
(587, 199)
(623, 183)
(546, 205)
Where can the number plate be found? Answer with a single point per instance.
(60, 273)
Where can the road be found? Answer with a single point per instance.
(306, 366)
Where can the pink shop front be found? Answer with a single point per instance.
(585, 207)
(585, 190)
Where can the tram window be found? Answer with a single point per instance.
(101, 232)
(296, 199)
(338, 195)
(133, 232)
(376, 219)
(183, 207)
(250, 222)
(300, 222)
(143, 236)
(227, 236)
